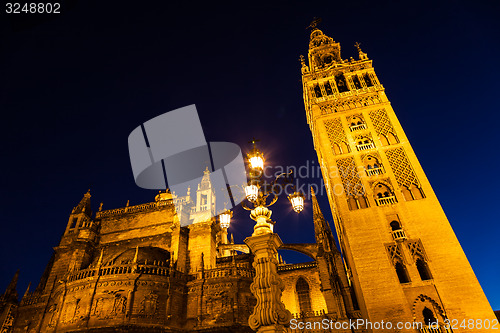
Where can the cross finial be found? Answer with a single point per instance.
(358, 46)
(254, 142)
(314, 23)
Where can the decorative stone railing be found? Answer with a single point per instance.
(365, 146)
(434, 329)
(398, 234)
(386, 201)
(357, 127)
(123, 269)
(228, 271)
(374, 171)
(33, 298)
(308, 314)
(289, 267)
(349, 93)
(134, 209)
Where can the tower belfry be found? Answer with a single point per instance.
(404, 260)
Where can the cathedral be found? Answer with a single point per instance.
(136, 269)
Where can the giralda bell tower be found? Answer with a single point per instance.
(404, 261)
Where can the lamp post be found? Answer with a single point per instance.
(270, 314)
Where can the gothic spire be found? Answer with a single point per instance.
(322, 230)
(11, 292)
(27, 290)
(84, 205)
(318, 218)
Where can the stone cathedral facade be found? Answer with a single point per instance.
(136, 269)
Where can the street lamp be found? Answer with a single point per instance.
(270, 314)
(255, 158)
(225, 219)
(251, 192)
(297, 201)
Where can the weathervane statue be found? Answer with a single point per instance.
(314, 23)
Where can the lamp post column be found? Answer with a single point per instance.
(270, 314)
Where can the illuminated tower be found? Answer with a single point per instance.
(403, 258)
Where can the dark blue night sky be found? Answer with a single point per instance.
(74, 85)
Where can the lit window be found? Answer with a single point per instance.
(302, 288)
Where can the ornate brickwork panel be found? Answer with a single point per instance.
(381, 122)
(395, 253)
(401, 167)
(349, 103)
(350, 177)
(335, 131)
(416, 249)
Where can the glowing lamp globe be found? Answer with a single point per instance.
(297, 201)
(256, 162)
(251, 192)
(225, 219)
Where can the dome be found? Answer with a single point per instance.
(148, 255)
(164, 196)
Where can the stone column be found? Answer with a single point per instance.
(270, 314)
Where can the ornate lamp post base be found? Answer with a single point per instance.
(270, 314)
(272, 329)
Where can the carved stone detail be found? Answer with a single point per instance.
(270, 314)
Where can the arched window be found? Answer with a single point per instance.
(423, 269)
(341, 84)
(416, 192)
(412, 192)
(383, 195)
(357, 202)
(302, 288)
(362, 202)
(367, 79)
(398, 234)
(429, 317)
(317, 91)
(328, 88)
(395, 225)
(204, 199)
(73, 223)
(372, 165)
(364, 143)
(356, 123)
(401, 272)
(355, 79)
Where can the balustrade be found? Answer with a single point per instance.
(398, 234)
(386, 201)
(374, 171)
(365, 146)
(134, 209)
(308, 314)
(229, 271)
(357, 127)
